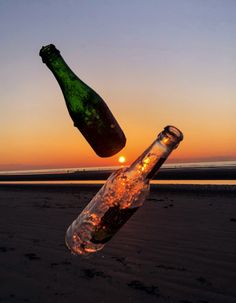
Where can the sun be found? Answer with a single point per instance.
(122, 159)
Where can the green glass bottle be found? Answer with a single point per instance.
(87, 109)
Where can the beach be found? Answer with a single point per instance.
(179, 247)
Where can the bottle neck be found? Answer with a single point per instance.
(54, 61)
(147, 165)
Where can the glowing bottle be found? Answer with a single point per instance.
(119, 198)
(87, 109)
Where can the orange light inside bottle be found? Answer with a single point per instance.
(165, 140)
(145, 164)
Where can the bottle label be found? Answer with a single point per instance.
(110, 223)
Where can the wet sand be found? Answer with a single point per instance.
(179, 247)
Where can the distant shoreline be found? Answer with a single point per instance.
(175, 188)
(192, 173)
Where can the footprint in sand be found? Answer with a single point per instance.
(151, 290)
(32, 256)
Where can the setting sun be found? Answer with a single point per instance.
(122, 159)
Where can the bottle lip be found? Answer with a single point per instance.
(48, 50)
(175, 132)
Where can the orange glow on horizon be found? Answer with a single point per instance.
(169, 74)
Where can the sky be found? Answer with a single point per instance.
(154, 62)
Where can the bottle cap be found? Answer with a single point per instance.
(47, 52)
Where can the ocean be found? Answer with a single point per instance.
(198, 173)
(216, 164)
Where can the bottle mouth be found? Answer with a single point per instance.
(46, 52)
(171, 136)
(175, 132)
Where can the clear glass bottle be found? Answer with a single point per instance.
(119, 198)
(87, 109)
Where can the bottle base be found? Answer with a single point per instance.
(79, 247)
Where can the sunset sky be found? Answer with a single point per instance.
(154, 62)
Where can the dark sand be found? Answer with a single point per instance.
(179, 247)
